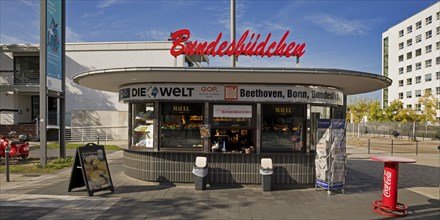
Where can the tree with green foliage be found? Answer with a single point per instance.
(429, 103)
(392, 110)
(374, 111)
(357, 110)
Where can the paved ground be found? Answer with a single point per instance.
(46, 197)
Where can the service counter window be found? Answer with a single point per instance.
(143, 120)
(233, 128)
(283, 128)
(180, 126)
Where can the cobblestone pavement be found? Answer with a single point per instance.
(46, 196)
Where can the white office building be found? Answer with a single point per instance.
(411, 58)
(20, 82)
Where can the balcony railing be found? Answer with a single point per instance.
(23, 77)
(27, 77)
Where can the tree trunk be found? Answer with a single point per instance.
(414, 137)
(359, 124)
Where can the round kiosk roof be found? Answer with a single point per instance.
(350, 82)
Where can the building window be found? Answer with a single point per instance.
(437, 90)
(438, 15)
(437, 60)
(428, 20)
(400, 95)
(418, 25)
(283, 128)
(418, 93)
(418, 107)
(428, 77)
(437, 75)
(400, 83)
(409, 55)
(438, 30)
(400, 45)
(428, 48)
(409, 94)
(409, 42)
(428, 34)
(180, 124)
(438, 45)
(409, 68)
(401, 58)
(27, 70)
(409, 29)
(143, 124)
(401, 33)
(401, 70)
(428, 91)
(409, 81)
(428, 63)
(418, 52)
(418, 38)
(418, 79)
(418, 65)
(409, 106)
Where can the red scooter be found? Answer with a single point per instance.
(19, 148)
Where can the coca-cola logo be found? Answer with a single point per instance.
(386, 183)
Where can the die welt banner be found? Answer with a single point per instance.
(249, 44)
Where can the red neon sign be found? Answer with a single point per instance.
(251, 47)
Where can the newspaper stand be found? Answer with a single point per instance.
(330, 161)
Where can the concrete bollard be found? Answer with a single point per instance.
(392, 146)
(417, 147)
(368, 145)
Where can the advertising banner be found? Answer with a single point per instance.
(238, 93)
(54, 41)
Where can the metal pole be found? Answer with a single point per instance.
(392, 146)
(62, 100)
(233, 58)
(43, 86)
(368, 145)
(417, 147)
(97, 136)
(7, 150)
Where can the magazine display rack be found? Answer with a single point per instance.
(330, 162)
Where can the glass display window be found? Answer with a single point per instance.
(180, 125)
(283, 128)
(143, 121)
(233, 128)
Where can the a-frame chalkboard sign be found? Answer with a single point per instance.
(90, 169)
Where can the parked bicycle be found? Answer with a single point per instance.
(394, 134)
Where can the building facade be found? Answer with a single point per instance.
(411, 58)
(19, 80)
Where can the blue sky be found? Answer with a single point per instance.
(338, 34)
